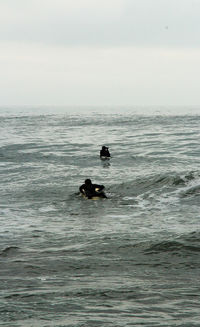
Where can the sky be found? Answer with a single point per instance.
(99, 52)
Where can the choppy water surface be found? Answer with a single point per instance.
(130, 260)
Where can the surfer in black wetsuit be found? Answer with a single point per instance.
(90, 190)
(104, 152)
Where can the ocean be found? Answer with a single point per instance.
(132, 259)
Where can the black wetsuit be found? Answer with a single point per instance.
(89, 190)
(104, 152)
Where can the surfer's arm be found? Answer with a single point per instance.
(81, 189)
(98, 188)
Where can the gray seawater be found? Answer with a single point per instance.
(130, 260)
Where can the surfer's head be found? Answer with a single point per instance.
(88, 182)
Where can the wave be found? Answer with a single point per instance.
(159, 184)
(191, 191)
(181, 246)
(9, 251)
(172, 247)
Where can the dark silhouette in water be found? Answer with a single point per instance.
(104, 152)
(92, 190)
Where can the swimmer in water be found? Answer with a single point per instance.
(104, 152)
(90, 190)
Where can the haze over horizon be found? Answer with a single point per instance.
(86, 52)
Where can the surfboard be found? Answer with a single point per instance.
(92, 198)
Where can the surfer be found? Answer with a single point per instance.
(92, 190)
(104, 152)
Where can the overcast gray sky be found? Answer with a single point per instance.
(99, 52)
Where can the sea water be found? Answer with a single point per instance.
(132, 259)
